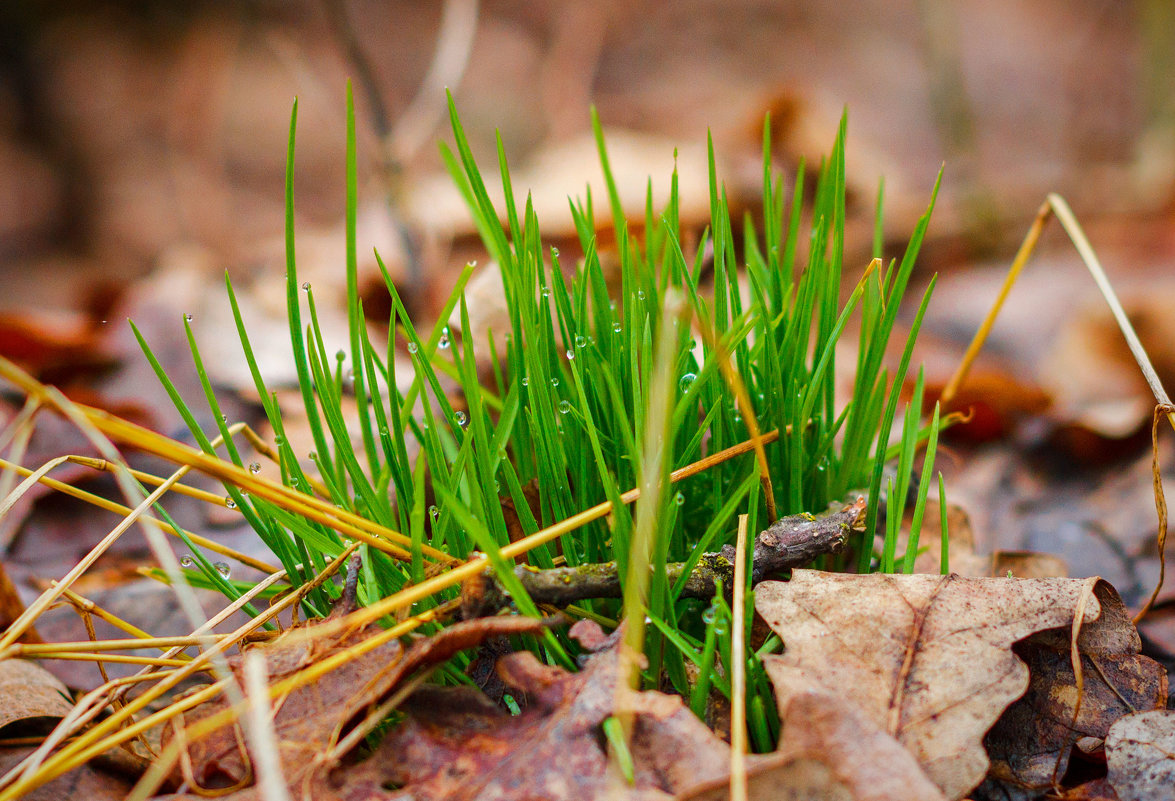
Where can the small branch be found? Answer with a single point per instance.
(789, 542)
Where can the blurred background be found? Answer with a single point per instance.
(142, 155)
(133, 132)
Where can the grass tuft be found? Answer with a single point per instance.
(597, 391)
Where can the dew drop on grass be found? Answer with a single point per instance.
(411, 347)
(443, 342)
(186, 560)
(433, 513)
(222, 568)
(720, 628)
(279, 440)
(686, 380)
(188, 317)
(229, 502)
(305, 286)
(679, 499)
(255, 467)
(341, 354)
(525, 381)
(555, 252)
(546, 292)
(640, 294)
(564, 407)
(383, 431)
(709, 615)
(554, 382)
(616, 329)
(460, 418)
(580, 341)
(570, 354)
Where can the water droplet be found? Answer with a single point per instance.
(293, 481)
(564, 407)
(279, 440)
(255, 467)
(555, 252)
(103, 322)
(186, 560)
(580, 341)
(229, 502)
(616, 329)
(433, 513)
(554, 382)
(709, 614)
(383, 431)
(471, 263)
(313, 456)
(305, 286)
(525, 381)
(570, 354)
(686, 380)
(340, 354)
(640, 294)
(222, 568)
(546, 292)
(188, 317)
(679, 499)
(460, 418)
(411, 347)
(720, 627)
(443, 342)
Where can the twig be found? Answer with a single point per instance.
(790, 542)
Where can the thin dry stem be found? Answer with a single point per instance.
(738, 671)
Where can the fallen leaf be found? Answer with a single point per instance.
(455, 744)
(85, 781)
(1096, 790)
(28, 691)
(308, 715)
(928, 659)
(1140, 753)
(865, 758)
(1031, 742)
(782, 777)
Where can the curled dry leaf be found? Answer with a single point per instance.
(28, 691)
(1030, 744)
(928, 659)
(455, 744)
(310, 715)
(85, 781)
(828, 749)
(1140, 752)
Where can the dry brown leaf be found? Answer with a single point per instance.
(1031, 742)
(780, 777)
(819, 723)
(29, 691)
(927, 659)
(1140, 752)
(455, 744)
(308, 716)
(84, 782)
